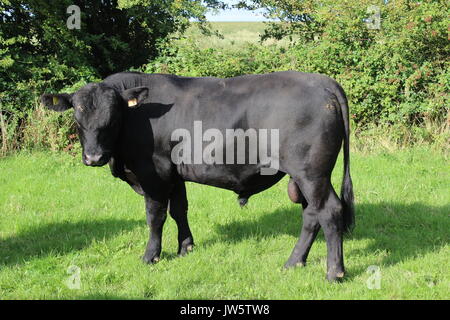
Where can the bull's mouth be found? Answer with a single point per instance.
(98, 164)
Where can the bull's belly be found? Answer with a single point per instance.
(245, 180)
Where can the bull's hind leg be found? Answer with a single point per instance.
(324, 210)
(309, 230)
(308, 234)
(178, 208)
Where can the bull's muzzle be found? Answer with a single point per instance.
(95, 160)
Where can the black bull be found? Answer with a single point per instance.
(129, 118)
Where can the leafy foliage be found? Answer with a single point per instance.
(39, 52)
(398, 73)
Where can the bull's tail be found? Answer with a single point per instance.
(347, 185)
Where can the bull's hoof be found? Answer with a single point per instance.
(150, 258)
(185, 249)
(186, 246)
(293, 264)
(242, 201)
(335, 276)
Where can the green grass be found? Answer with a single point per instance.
(235, 35)
(56, 213)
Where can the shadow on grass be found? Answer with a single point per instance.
(60, 238)
(396, 231)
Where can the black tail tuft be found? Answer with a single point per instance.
(347, 202)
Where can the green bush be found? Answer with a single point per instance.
(39, 53)
(398, 74)
(184, 57)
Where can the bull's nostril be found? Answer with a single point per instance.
(92, 159)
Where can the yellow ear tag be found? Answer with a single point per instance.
(55, 100)
(132, 102)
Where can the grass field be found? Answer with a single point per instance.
(234, 35)
(58, 216)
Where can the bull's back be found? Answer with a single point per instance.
(253, 101)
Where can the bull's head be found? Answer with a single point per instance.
(98, 112)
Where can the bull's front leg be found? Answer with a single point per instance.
(178, 208)
(156, 216)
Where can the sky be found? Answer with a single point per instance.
(239, 15)
(236, 15)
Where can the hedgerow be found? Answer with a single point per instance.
(396, 76)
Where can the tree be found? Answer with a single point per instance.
(38, 49)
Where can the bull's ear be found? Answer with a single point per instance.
(133, 97)
(57, 102)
